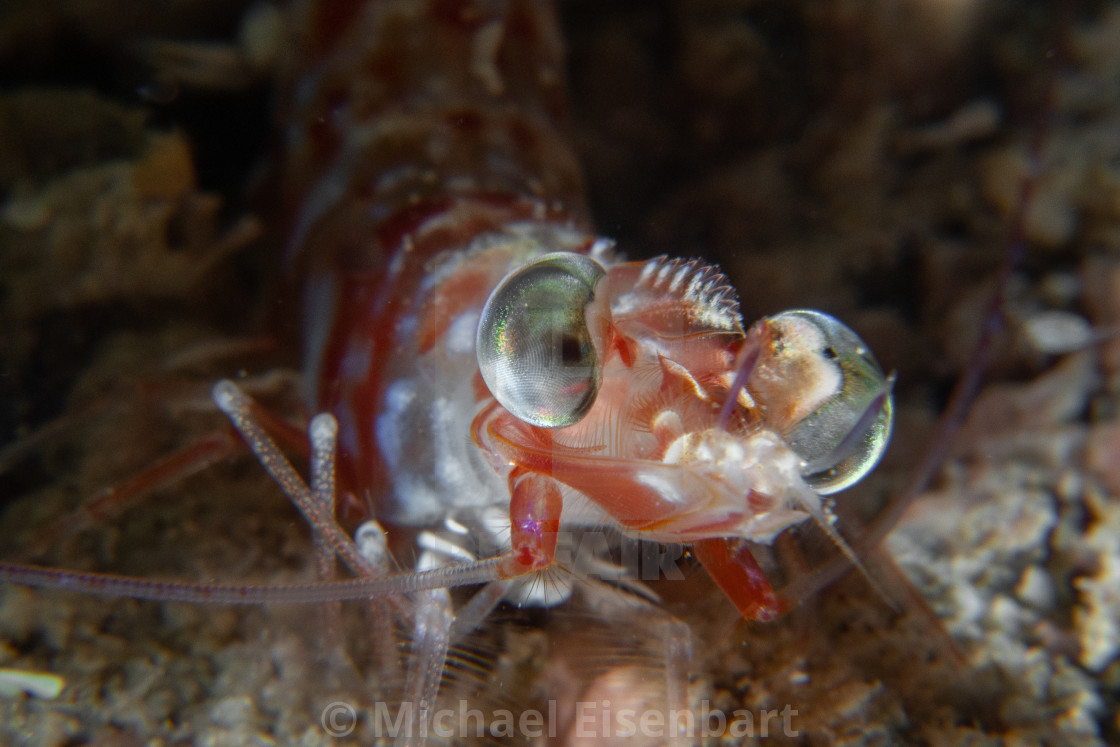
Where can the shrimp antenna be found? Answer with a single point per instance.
(810, 500)
(748, 358)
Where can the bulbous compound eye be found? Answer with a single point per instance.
(538, 339)
(845, 435)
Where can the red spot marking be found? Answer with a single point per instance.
(622, 345)
(759, 502)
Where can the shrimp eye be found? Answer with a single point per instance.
(845, 435)
(539, 339)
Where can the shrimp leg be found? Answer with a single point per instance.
(732, 566)
(535, 514)
(433, 616)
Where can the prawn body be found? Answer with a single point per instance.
(434, 177)
(425, 132)
(430, 180)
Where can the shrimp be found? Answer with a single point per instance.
(498, 423)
